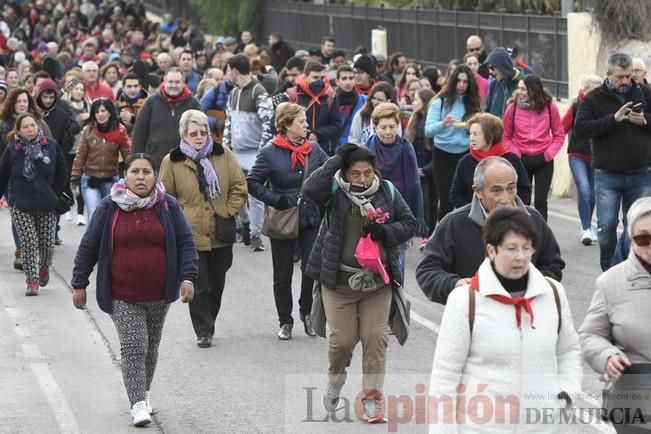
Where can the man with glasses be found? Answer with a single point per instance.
(616, 118)
(475, 45)
(455, 250)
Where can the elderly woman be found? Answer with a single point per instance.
(33, 168)
(397, 162)
(95, 167)
(357, 302)
(361, 127)
(615, 331)
(277, 179)
(485, 141)
(209, 185)
(137, 231)
(507, 333)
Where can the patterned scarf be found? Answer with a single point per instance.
(34, 151)
(361, 199)
(129, 201)
(206, 173)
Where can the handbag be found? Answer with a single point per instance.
(225, 227)
(284, 224)
(64, 203)
(628, 399)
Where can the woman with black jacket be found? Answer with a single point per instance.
(276, 179)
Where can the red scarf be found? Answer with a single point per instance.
(497, 150)
(299, 151)
(185, 94)
(517, 302)
(301, 83)
(366, 89)
(118, 135)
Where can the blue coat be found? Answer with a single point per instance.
(215, 99)
(96, 247)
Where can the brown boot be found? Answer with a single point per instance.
(18, 261)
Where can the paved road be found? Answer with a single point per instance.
(59, 367)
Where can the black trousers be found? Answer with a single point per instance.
(444, 166)
(79, 199)
(430, 202)
(542, 172)
(204, 307)
(282, 256)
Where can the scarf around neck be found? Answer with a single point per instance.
(129, 201)
(34, 151)
(364, 90)
(117, 135)
(206, 173)
(497, 150)
(185, 94)
(361, 199)
(298, 150)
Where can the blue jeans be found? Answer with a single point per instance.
(583, 175)
(93, 196)
(613, 189)
(403, 256)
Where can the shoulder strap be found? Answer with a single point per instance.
(391, 187)
(471, 308)
(557, 300)
(305, 170)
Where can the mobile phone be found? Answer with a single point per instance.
(637, 108)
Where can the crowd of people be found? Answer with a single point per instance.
(172, 146)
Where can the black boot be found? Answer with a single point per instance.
(246, 234)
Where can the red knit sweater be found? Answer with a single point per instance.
(138, 263)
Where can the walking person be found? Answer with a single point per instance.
(457, 101)
(137, 231)
(277, 179)
(32, 172)
(533, 131)
(206, 180)
(95, 167)
(614, 333)
(362, 127)
(357, 302)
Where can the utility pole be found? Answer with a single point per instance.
(567, 6)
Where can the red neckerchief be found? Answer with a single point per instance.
(497, 150)
(298, 151)
(185, 94)
(517, 302)
(345, 109)
(366, 89)
(301, 83)
(118, 135)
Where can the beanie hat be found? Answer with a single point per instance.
(367, 64)
(500, 59)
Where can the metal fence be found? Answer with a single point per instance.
(429, 37)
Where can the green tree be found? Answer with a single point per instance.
(230, 17)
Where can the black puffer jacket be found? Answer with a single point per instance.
(326, 254)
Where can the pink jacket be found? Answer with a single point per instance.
(533, 133)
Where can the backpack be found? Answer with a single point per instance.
(471, 307)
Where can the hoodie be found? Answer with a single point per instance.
(59, 117)
(499, 91)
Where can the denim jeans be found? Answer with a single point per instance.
(583, 175)
(252, 213)
(93, 196)
(611, 190)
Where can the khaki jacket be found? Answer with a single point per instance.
(618, 319)
(179, 175)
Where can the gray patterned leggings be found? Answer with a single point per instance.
(140, 327)
(36, 230)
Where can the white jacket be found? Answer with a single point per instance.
(501, 364)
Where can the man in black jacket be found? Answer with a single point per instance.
(279, 51)
(455, 251)
(616, 117)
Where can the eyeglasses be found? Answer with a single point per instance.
(514, 250)
(642, 240)
(198, 133)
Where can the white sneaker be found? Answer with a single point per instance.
(148, 401)
(586, 237)
(595, 236)
(68, 216)
(140, 415)
(81, 220)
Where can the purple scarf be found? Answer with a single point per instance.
(208, 177)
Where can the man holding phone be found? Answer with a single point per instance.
(617, 118)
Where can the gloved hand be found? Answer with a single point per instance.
(284, 203)
(345, 150)
(376, 230)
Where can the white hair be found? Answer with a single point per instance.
(479, 178)
(640, 208)
(192, 117)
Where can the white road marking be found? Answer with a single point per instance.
(54, 396)
(14, 312)
(31, 351)
(21, 331)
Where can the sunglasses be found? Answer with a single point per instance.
(198, 133)
(642, 240)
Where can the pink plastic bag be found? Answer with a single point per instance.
(368, 255)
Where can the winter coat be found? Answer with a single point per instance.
(5, 127)
(528, 132)
(192, 80)
(456, 250)
(272, 178)
(280, 53)
(500, 91)
(178, 173)
(361, 130)
(449, 139)
(96, 247)
(595, 120)
(96, 156)
(59, 117)
(215, 99)
(618, 318)
(133, 108)
(498, 359)
(577, 146)
(346, 116)
(156, 131)
(461, 191)
(41, 194)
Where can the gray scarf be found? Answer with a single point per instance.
(361, 199)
